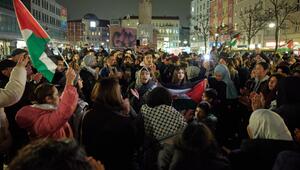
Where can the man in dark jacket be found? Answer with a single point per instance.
(288, 102)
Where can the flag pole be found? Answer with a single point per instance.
(62, 57)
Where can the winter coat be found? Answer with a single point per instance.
(171, 158)
(288, 102)
(10, 95)
(290, 115)
(111, 137)
(287, 160)
(260, 86)
(44, 120)
(258, 153)
(13, 90)
(143, 91)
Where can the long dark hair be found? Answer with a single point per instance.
(42, 91)
(273, 94)
(107, 92)
(175, 79)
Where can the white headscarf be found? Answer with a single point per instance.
(266, 124)
(138, 82)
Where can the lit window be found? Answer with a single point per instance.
(93, 24)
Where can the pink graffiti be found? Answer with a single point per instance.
(124, 38)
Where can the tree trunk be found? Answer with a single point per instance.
(205, 43)
(249, 31)
(277, 38)
(249, 42)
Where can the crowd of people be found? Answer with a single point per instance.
(153, 110)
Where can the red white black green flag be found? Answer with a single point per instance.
(36, 39)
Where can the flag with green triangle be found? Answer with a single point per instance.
(36, 39)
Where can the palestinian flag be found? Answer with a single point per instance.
(194, 92)
(36, 40)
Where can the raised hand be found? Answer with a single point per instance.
(96, 165)
(135, 93)
(70, 76)
(258, 101)
(23, 61)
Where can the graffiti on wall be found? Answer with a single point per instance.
(122, 37)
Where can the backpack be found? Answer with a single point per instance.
(75, 120)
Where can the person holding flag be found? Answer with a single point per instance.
(37, 40)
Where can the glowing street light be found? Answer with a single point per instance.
(272, 25)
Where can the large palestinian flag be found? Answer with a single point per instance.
(194, 91)
(187, 97)
(36, 39)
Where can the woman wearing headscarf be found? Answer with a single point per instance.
(268, 137)
(230, 119)
(143, 85)
(88, 75)
(222, 74)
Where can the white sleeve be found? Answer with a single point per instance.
(14, 89)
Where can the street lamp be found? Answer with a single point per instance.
(272, 25)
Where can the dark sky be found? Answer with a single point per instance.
(113, 9)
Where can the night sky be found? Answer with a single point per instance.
(107, 9)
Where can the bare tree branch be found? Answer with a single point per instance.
(254, 20)
(202, 28)
(283, 9)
